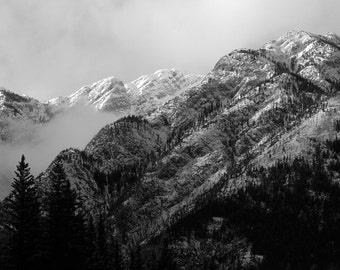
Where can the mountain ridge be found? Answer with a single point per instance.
(147, 173)
(163, 83)
(107, 95)
(238, 116)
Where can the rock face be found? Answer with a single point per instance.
(253, 108)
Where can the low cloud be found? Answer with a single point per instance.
(41, 143)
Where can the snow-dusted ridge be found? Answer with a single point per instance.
(140, 96)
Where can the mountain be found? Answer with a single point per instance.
(18, 112)
(141, 96)
(151, 91)
(151, 174)
(22, 114)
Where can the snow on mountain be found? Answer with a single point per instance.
(291, 43)
(315, 57)
(141, 96)
(150, 91)
(109, 94)
(18, 112)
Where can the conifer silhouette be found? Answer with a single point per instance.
(23, 219)
(65, 226)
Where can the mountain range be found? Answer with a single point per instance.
(186, 140)
(141, 96)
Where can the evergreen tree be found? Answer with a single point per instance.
(65, 227)
(320, 179)
(94, 259)
(165, 262)
(136, 259)
(23, 220)
(101, 241)
(118, 257)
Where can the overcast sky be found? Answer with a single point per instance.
(50, 48)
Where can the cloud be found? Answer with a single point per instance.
(40, 144)
(51, 48)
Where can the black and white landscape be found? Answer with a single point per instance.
(238, 168)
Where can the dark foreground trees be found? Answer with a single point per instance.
(21, 222)
(289, 212)
(64, 224)
(49, 235)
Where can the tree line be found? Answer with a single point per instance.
(288, 211)
(55, 232)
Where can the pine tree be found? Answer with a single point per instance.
(101, 240)
(165, 260)
(65, 227)
(94, 260)
(136, 259)
(23, 219)
(320, 179)
(118, 257)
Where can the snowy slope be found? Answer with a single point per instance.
(150, 91)
(141, 96)
(109, 94)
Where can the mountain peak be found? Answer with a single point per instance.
(160, 75)
(296, 33)
(159, 87)
(142, 95)
(167, 73)
(292, 42)
(99, 93)
(11, 97)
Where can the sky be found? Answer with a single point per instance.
(52, 48)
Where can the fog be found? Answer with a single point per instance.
(40, 144)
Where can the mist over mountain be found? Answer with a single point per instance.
(196, 170)
(40, 143)
(40, 130)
